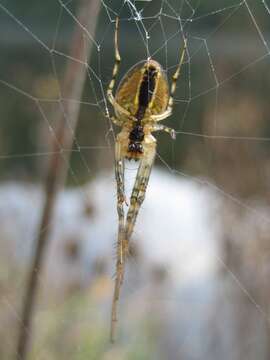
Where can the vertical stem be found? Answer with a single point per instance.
(74, 79)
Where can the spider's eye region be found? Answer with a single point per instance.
(135, 147)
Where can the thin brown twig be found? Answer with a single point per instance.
(74, 80)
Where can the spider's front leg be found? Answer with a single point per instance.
(120, 181)
(138, 192)
(125, 232)
(119, 175)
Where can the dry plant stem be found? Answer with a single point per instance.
(74, 79)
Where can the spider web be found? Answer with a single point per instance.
(220, 116)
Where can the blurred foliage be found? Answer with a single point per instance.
(75, 325)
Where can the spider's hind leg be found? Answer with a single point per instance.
(117, 60)
(175, 77)
(111, 86)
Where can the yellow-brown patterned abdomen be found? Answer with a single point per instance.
(128, 92)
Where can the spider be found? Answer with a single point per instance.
(142, 99)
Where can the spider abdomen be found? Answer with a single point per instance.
(144, 90)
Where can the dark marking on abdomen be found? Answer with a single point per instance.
(146, 91)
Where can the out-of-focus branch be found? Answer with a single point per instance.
(74, 79)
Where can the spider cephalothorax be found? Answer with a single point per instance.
(142, 99)
(136, 137)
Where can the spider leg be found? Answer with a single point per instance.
(175, 77)
(138, 192)
(117, 60)
(119, 175)
(116, 67)
(117, 121)
(159, 127)
(124, 234)
(119, 108)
